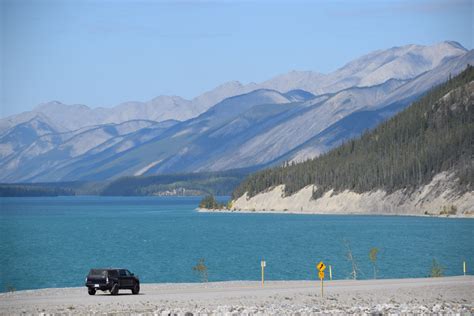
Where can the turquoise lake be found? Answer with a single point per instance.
(54, 241)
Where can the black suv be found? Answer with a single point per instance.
(112, 280)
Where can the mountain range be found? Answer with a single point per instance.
(291, 117)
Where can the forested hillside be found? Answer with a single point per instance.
(434, 134)
(200, 183)
(216, 183)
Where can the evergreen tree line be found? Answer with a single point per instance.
(432, 135)
(217, 183)
(32, 190)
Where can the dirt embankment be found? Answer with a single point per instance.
(439, 197)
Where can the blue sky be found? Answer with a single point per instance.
(102, 53)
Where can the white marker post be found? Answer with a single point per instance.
(464, 267)
(263, 265)
(330, 273)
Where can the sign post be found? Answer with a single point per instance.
(263, 265)
(464, 267)
(321, 267)
(321, 276)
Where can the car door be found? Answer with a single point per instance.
(131, 277)
(113, 276)
(125, 278)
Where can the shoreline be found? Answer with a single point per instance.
(243, 211)
(387, 296)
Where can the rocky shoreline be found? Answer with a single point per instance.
(273, 211)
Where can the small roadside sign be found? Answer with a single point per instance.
(263, 263)
(321, 266)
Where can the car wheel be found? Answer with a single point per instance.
(91, 291)
(136, 288)
(115, 289)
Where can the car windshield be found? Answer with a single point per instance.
(98, 272)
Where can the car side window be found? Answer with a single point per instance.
(113, 273)
(123, 273)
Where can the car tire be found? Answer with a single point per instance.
(114, 290)
(136, 288)
(91, 291)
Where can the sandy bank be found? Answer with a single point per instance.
(434, 295)
(434, 198)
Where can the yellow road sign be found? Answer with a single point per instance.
(321, 266)
(321, 275)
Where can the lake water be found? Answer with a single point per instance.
(54, 241)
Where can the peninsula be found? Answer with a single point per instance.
(417, 163)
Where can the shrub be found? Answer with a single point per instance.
(449, 210)
(201, 269)
(436, 269)
(373, 259)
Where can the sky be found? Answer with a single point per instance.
(102, 53)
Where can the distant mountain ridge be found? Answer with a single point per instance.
(294, 116)
(404, 62)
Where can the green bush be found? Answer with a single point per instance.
(436, 269)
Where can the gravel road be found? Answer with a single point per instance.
(449, 295)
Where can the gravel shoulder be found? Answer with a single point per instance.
(448, 295)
